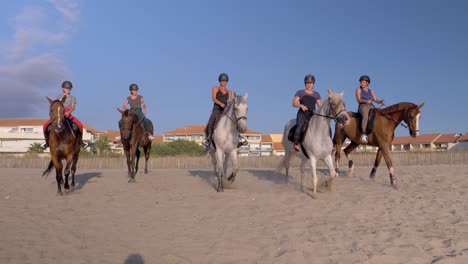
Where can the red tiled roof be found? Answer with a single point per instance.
(188, 130)
(158, 139)
(447, 138)
(463, 137)
(266, 139)
(14, 122)
(251, 132)
(421, 139)
(278, 146)
(111, 135)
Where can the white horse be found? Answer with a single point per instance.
(317, 142)
(223, 149)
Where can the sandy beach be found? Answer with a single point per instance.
(176, 216)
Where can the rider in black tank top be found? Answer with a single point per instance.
(223, 98)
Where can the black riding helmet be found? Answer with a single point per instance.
(309, 78)
(223, 77)
(364, 78)
(67, 84)
(133, 86)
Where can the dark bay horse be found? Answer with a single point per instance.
(386, 121)
(133, 137)
(63, 144)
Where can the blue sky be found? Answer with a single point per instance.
(413, 51)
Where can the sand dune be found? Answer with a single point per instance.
(175, 216)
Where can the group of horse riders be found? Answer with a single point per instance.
(305, 99)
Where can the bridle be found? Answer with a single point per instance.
(332, 114)
(60, 120)
(236, 119)
(132, 127)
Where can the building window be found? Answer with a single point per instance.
(26, 129)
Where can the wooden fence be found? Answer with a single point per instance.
(360, 159)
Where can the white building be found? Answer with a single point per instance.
(17, 134)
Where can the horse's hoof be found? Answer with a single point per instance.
(314, 196)
(59, 193)
(131, 180)
(395, 186)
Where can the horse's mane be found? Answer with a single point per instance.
(397, 108)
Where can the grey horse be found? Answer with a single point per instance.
(317, 142)
(223, 149)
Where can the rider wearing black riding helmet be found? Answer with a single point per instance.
(221, 96)
(365, 96)
(305, 100)
(69, 105)
(137, 103)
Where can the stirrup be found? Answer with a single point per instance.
(44, 146)
(242, 142)
(206, 142)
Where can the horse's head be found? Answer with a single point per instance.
(57, 113)
(128, 120)
(412, 117)
(337, 108)
(240, 111)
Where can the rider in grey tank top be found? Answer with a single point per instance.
(365, 96)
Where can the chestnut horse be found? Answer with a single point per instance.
(133, 137)
(63, 144)
(386, 121)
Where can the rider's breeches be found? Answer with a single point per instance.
(145, 122)
(364, 111)
(301, 118)
(209, 127)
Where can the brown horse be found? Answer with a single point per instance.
(63, 144)
(133, 137)
(386, 121)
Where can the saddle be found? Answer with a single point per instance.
(73, 126)
(370, 122)
(303, 132)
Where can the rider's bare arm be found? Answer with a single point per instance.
(125, 105)
(143, 105)
(374, 98)
(296, 104)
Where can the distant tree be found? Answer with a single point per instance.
(177, 148)
(102, 145)
(35, 148)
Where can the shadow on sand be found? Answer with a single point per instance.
(82, 179)
(206, 175)
(134, 259)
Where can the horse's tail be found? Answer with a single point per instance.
(49, 169)
(284, 163)
(205, 151)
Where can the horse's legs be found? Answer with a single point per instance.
(235, 167)
(302, 169)
(213, 161)
(219, 169)
(147, 150)
(338, 140)
(329, 162)
(129, 164)
(73, 168)
(347, 152)
(67, 171)
(58, 175)
(132, 166)
(313, 166)
(389, 162)
(137, 161)
(378, 157)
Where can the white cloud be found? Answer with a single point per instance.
(31, 66)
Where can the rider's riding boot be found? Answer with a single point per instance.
(80, 140)
(364, 139)
(242, 142)
(297, 148)
(45, 145)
